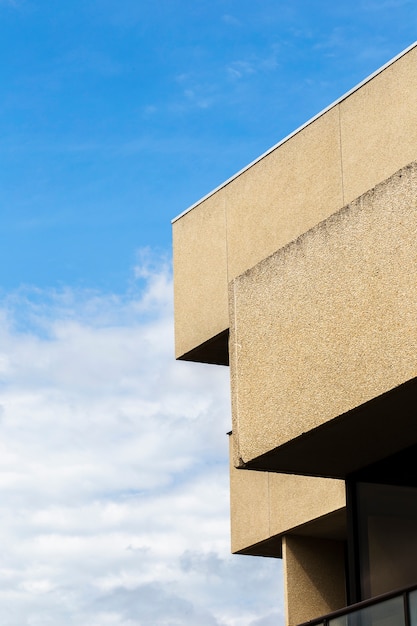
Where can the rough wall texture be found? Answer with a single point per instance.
(314, 577)
(266, 505)
(200, 277)
(328, 322)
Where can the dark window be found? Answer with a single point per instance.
(382, 503)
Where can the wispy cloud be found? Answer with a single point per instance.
(196, 93)
(113, 468)
(231, 19)
(255, 64)
(237, 69)
(332, 42)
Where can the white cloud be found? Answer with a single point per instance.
(255, 64)
(113, 469)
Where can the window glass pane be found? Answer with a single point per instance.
(388, 613)
(412, 599)
(339, 621)
(387, 519)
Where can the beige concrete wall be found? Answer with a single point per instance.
(327, 323)
(344, 152)
(283, 195)
(295, 501)
(200, 275)
(264, 506)
(314, 577)
(378, 127)
(249, 508)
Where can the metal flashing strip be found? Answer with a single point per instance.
(297, 130)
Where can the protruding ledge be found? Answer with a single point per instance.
(360, 437)
(215, 351)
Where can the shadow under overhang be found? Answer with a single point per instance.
(374, 430)
(215, 351)
(331, 526)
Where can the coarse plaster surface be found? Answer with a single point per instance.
(314, 577)
(266, 505)
(200, 276)
(328, 322)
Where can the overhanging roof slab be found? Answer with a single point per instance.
(323, 340)
(361, 437)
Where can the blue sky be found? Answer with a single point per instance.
(115, 116)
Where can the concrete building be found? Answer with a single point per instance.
(300, 272)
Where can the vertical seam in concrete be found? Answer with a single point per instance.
(226, 227)
(341, 157)
(232, 335)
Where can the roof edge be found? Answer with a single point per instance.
(296, 131)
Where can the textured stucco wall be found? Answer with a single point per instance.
(314, 577)
(328, 322)
(266, 505)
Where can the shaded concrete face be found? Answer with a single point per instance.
(264, 506)
(314, 576)
(327, 324)
(347, 150)
(200, 277)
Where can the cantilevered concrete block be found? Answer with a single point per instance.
(320, 330)
(200, 284)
